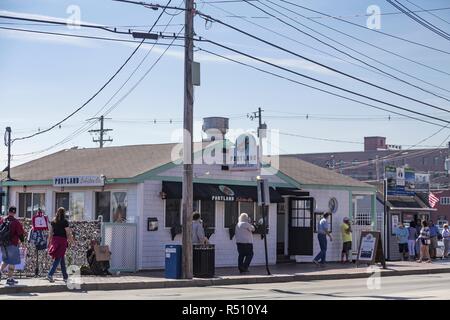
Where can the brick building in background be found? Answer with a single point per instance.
(369, 165)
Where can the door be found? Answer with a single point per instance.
(301, 226)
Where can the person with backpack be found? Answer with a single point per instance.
(11, 232)
(60, 236)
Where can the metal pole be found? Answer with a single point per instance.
(8, 132)
(386, 220)
(264, 211)
(101, 131)
(188, 141)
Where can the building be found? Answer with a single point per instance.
(369, 164)
(136, 192)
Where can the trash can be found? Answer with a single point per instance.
(203, 260)
(173, 261)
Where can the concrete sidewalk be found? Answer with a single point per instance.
(226, 276)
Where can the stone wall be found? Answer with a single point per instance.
(84, 232)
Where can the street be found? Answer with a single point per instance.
(388, 288)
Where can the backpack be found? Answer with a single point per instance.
(5, 235)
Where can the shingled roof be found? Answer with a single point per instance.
(130, 161)
(306, 173)
(113, 162)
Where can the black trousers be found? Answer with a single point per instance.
(245, 251)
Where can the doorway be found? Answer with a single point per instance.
(300, 226)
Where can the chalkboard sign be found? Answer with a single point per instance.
(370, 249)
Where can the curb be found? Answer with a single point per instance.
(198, 282)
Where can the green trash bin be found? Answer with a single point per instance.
(203, 260)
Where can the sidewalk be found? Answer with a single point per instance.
(227, 276)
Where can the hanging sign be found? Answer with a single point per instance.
(79, 181)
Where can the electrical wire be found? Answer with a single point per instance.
(207, 17)
(427, 11)
(98, 91)
(322, 82)
(312, 87)
(332, 55)
(352, 49)
(360, 26)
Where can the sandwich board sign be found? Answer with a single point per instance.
(370, 249)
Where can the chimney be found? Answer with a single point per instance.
(374, 143)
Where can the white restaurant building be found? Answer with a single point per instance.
(137, 191)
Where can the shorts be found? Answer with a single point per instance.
(11, 255)
(346, 247)
(402, 247)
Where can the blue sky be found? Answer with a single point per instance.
(43, 78)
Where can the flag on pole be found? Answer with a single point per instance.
(432, 199)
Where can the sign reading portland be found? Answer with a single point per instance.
(78, 181)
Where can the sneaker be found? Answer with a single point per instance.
(50, 279)
(316, 262)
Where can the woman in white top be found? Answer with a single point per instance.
(244, 242)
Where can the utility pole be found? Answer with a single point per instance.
(8, 144)
(266, 203)
(376, 168)
(187, 193)
(101, 131)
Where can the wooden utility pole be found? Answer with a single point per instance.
(8, 144)
(101, 132)
(188, 141)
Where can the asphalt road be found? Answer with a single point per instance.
(403, 287)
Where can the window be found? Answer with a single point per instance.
(62, 200)
(231, 213)
(318, 216)
(234, 209)
(208, 213)
(248, 208)
(301, 213)
(29, 203)
(111, 205)
(119, 206)
(445, 201)
(103, 205)
(76, 208)
(173, 213)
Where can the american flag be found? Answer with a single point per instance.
(432, 199)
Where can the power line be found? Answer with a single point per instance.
(207, 17)
(354, 50)
(428, 11)
(337, 49)
(317, 138)
(359, 26)
(85, 37)
(304, 84)
(419, 19)
(372, 44)
(295, 40)
(98, 91)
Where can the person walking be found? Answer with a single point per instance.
(446, 238)
(11, 232)
(322, 233)
(424, 239)
(402, 236)
(198, 232)
(412, 236)
(346, 231)
(434, 232)
(60, 236)
(418, 243)
(244, 242)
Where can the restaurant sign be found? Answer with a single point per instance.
(79, 181)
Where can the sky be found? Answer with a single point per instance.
(44, 78)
